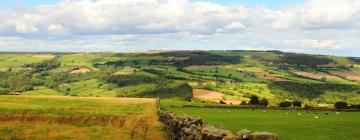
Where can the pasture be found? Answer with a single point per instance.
(289, 125)
(87, 88)
(59, 117)
(16, 60)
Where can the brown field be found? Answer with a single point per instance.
(126, 70)
(193, 83)
(207, 95)
(48, 56)
(268, 76)
(3, 69)
(232, 101)
(81, 70)
(317, 76)
(347, 75)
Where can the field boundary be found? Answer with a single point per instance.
(183, 127)
(263, 107)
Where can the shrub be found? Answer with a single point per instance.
(297, 104)
(308, 107)
(264, 102)
(341, 105)
(254, 100)
(285, 104)
(355, 106)
(243, 103)
(3, 90)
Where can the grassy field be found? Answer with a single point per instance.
(56, 117)
(17, 60)
(79, 60)
(90, 88)
(41, 90)
(287, 124)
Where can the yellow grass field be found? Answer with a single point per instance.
(60, 117)
(81, 70)
(347, 75)
(207, 94)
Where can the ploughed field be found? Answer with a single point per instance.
(59, 117)
(289, 125)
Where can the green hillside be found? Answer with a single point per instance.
(276, 76)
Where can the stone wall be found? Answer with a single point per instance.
(182, 127)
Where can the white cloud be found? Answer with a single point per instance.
(326, 44)
(316, 24)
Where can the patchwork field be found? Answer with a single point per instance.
(17, 60)
(45, 117)
(329, 78)
(289, 125)
(91, 87)
(73, 95)
(348, 75)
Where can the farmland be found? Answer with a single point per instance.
(275, 76)
(289, 125)
(54, 117)
(86, 87)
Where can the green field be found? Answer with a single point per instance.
(287, 124)
(17, 60)
(45, 117)
(90, 87)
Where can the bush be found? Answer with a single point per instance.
(3, 90)
(341, 105)
(243, 103)
(264, 102)
(297, 104)
(254, 100)
(285, 104)
(308, 107)
(355, 106)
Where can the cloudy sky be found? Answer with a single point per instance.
(306, 26)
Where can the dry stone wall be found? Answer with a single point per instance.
(182, 127)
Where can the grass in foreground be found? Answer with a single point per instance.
(56, 117)
(287, 124)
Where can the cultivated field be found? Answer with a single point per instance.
(289, 125)
(59, 117)
(348, 75)
(207, 95)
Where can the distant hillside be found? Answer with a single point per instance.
(274, 75)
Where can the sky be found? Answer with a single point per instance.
(330, 27)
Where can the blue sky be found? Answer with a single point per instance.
(26, 3)
(273, 4)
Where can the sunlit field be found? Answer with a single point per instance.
(289, 125)
(55, 117)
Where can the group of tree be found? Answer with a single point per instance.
(286, 104)
(254, 100)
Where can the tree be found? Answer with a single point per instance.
(341, 105)
(264, 102)
(243, 103)
(323, 79)
(254, 100)
(297, 104)
(285, 104)
(222, 102)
